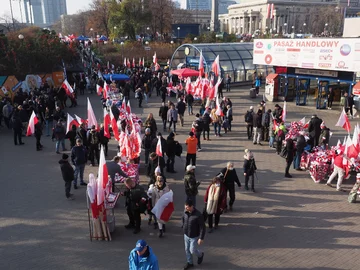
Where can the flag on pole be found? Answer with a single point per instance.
(114, 126)
(70, 122)
(133, 62)
(201, 65)
(99, 90)
(68, 89)
(343, 121)
(159, 148)
(124, 61)
(103, 178)
(91, 115)
(128, 107)
(31, 126)
(216, 66)
(283, 116)
(268, 11)
(272, 11)
(348, 3)
(106, 124)
(302, 121)
(140, 62)
(80, 120)
(155, 59)
(345, 157)
(143, 62)
(128, 63)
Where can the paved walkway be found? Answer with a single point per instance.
(288, 224)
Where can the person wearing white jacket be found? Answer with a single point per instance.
(159, 190)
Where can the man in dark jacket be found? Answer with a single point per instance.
(146, 144)
(181, 107)
(82, 134)
(249, 169)
(194, 232)
(189, 101)
(249, 121)
(104, 140)
(38, 133)
(207, 121)
(79, 158)
(59, 136)
(94, 141)
(300, 145)
(198, 125)
(155, 141)
(266, 118)
(114, 168)
(17, 127)
(191, 185)
(163, 114)
(289, 157)
(67, 172)
(71, 135)
(230, 178)
(170, 152)
(135, 200)
(257, 127)
(277, 113)
(324, 136)
(314, 130)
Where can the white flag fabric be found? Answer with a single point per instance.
(91, 115)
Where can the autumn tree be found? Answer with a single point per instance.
(161, 15)
(99, 16)
(325, 19)
(182, 16)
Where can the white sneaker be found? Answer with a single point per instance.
(199, 149)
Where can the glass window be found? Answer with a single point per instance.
(226, 65)
(239, 76)
(238, 64)
(249, 64)
(245, 54)
(233, 55)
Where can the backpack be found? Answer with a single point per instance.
(94, 139)
(200, 125)
(178, 149)
(249, 117)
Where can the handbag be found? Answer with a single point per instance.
(284, 153)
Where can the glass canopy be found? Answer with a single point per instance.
(236, 59)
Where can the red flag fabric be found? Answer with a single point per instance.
(216, 66)
(123, 105)
(80, 120)
(99, 90)
(68, 89)
(343, 121)
(91, 115)
(103, 178)
(124, 61)
(128, 63)
(133, 62)
(31, 126)
(201, 65)
(128, 107)
(114, 126)
(140, 62)
(70, 122)
(284, 112)
(155, 59)
(106, 124)
(159, 148)
(143, 62)
(167, 212)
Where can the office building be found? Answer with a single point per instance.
(43, 13)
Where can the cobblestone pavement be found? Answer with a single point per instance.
(287, 224)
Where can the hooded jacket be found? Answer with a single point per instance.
(249, 165)
(146, 262)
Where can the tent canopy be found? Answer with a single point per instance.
(116, 77)
(103, 38)
(82, 38)
(185, 72)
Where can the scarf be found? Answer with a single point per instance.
(213, 199)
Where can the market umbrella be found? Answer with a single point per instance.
(103, 38)
(185, 72)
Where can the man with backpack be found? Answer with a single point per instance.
(206, 121)
(136, 203)
(266, 118)
(198, 125)
(249, 120)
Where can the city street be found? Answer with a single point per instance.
(287, 224)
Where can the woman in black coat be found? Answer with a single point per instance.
(290, 156)
(230, 178)
(249, 169)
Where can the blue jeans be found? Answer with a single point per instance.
(62, 141)
(47, 126)
(217, 128)
(297, 159)
(271, 141)
(192, 198)
(191, 247)
(190, 108)
(79, 169)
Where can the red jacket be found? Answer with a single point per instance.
(338, 161)
(222, 198)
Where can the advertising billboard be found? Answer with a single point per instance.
(324, 54)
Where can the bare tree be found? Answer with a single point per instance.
(8, 24)
(325, 20)
(162, 12)
(182, 16)
(99, 16)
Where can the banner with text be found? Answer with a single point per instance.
(325, 54)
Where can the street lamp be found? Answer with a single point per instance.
(172, 42)
(21, 37)
(293, 28)
(122, 48)
(195, 38)
(178, 32)
(91, 31)
(304, 28)
(285, 28)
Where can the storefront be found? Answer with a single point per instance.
(306, 71)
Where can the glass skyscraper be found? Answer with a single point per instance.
(44, 12)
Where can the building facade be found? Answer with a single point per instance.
(286, 16)
(43, 13)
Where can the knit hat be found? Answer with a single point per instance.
(65, 156)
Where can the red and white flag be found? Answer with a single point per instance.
(283, 116)
(159, 151)
(268, 11)
(80, 120)
(201, 65)
(219, 111)
(143, 62)
(70, 122)
(140, 62)
(133, 62)
(99, 90)
(128, 63)
(272, 11)
(128, 107)
(103, 178)
(32, 122)
(346, 162)
(124, 61)
(155, 59)
(91, 115)
(343, 121)
(216, 66)
(114, 126)
(68, 89)
(302, 121)
(106, 124)
(348, 3)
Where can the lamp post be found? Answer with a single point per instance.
(195, 38)
(122, 49)
(114, 34)
(304, 28)
(293, 29)
(21, 36)
(178, 32)
(146, 43)
(285, 28)
(325, 29)
(91, 32)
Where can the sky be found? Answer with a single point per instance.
(72, 7)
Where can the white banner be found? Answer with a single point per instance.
(319, 53)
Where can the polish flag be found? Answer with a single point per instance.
(283, 116)
(219, 111)
(268, 11)
(155, 59)
(216, 66)
(106, 124)
(128, 107)
(91, 115)
(302, 121)
(307, 124)
(143, 62)
(133, 62)
(272, 11)
(68, 89)
(32, 122)
(346, 157)
(140, 62)
(108, 65)
(123, 105)
(159, 148)
(114, 126)
(124, 61)
(343, 121)
(70, 122)
(103, 178)
(80, 120)
(201, 65)
(99, 90)
(217, 87)
(128, 63)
